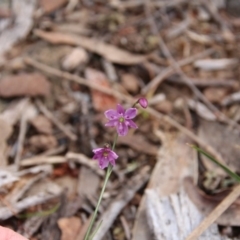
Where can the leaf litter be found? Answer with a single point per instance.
(64, 63)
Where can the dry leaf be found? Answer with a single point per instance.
(50, 6)
(110, 52)
(33, 84)
(69, 227)
(101, 101)
(75, 58)
(42, 124)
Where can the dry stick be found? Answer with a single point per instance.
(184, 77)
(217, 212)
(21, 138)
(171, 70)
(82, 159)
(50, 116)
(207, 83)
(120, 96)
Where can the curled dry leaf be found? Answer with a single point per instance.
(110, 52)
(76, 57)
(32, 84)
(101, 101)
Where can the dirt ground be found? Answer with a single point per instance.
(65, 62)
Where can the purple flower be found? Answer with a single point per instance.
(121, 119)
(104, 156)
(143, 102)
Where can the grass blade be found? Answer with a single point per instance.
(226, 169)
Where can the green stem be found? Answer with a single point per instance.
(108, 174)
(114, 142)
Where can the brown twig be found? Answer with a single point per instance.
(60, 125)
(21, 138)
(206, 83)
(156, 81)
(82, 159)
(217, 212)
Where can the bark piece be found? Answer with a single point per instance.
(33, 84)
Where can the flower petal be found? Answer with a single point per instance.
(122, 129)
(112, 161)
(112, 123)
(111, 114)
(130, 123)
(112, 154)
(97, 150)
(103, 162)
(130, 113)
(120, 109)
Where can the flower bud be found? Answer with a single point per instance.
(143, 102)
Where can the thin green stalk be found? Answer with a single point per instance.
(108, 174)
(114, 142)
(99, 225)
